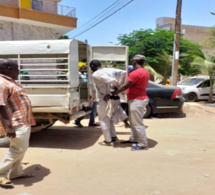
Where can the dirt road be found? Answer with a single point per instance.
(69, 161)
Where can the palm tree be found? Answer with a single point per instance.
(165, 65)
(210, 42)
(152, 72)
(206, 65)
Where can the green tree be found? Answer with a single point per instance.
(211, 40)
(186, 66)
(206, 64)
(151, 43)
(152, 72)
(63, 37)
(165, 65)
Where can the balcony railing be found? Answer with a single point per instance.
(42, 5)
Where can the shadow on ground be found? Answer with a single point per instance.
(151, 144)
(126, 132)
(38, 170)
(65, 137)
(169, 115)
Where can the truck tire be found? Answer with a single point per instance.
(191, 97)
(148, 111)
(4, 142)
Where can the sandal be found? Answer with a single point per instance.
(5, 183)
(25, 175)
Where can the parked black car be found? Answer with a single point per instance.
(163, 99)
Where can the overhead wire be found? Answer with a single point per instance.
(113, 10)
(111, 7)
(99, 17)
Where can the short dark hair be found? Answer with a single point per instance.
(6, 63)
(6, 66)
(95, 63)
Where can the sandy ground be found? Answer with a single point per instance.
(69, 161)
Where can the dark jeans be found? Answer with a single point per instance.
(92, 115)
(78, 120)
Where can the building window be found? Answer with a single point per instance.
(37, 5)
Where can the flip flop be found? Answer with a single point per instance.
(5, 183)
(25, 175)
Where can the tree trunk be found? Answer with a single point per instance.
(210, 100)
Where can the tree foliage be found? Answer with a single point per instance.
(206, 65)
(211, 40)
(151, 43)
(63, 37)
(153, 72)
(165, 65)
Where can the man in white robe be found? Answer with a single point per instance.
(105, 79)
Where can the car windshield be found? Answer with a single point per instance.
(191, 81)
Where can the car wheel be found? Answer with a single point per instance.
(147, 111)
(4, 141)
(191, 97)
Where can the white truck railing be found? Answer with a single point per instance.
(43, 70)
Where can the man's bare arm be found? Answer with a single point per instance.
(123, 87)
(7, 122)
(119, 90)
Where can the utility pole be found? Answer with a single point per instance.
(175, 60)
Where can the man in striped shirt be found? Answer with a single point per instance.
(15, 120)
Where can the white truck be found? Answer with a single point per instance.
(49, 73)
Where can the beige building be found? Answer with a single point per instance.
(195, 34)
(35, 19)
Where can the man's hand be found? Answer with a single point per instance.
(106, 98)
(10, 132)
(6, 122)
(114, 92)
(115, 89)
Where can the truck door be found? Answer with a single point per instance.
(112, 57)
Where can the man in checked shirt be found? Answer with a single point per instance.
(16, 120)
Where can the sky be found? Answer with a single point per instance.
(139, 14)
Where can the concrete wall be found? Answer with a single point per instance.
(16, 31)
(195, 34)
(165, 21)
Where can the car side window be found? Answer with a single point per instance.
(205, 84)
